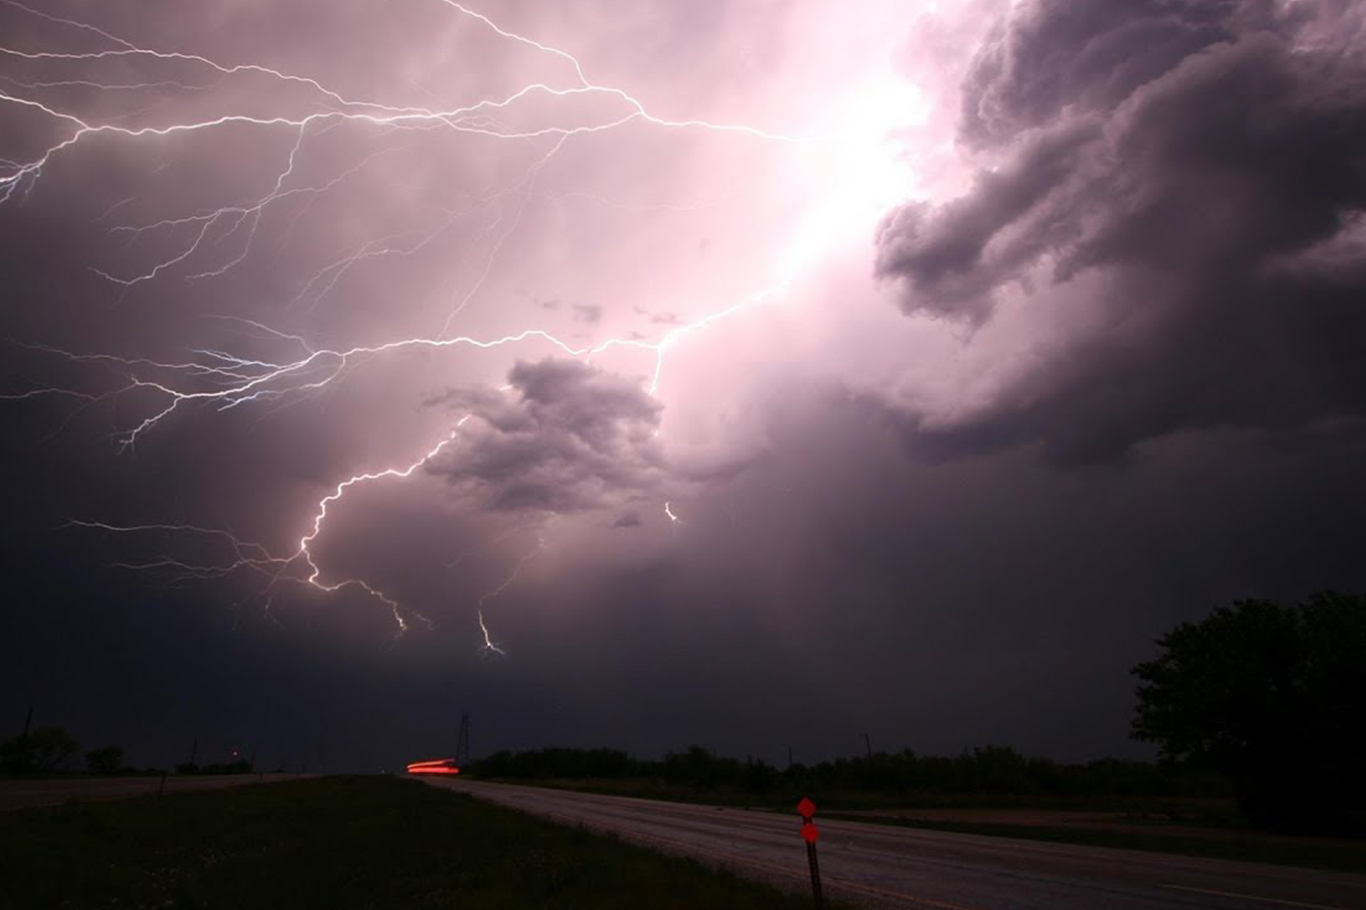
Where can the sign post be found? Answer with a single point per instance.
(806, 808)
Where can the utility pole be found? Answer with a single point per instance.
(194, 750)
(867, 744)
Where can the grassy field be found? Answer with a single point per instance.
(359, 842)
(1185, 827)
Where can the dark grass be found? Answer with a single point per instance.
(349, 842)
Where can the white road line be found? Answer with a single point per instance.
(1254, 897)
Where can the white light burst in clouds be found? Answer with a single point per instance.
(518, 184)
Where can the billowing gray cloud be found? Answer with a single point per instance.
(952, 257)
(564, 437)
(1054, 55)
(1194, 201)
(587, 312)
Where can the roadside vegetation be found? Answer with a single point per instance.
(991, 775)
(362, 842)
(51, 751)
(1269, 695)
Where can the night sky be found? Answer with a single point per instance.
(751, 374)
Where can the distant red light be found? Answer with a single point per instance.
(435, 766)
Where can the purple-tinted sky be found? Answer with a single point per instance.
(744, 373)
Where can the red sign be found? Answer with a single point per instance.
(806, 808)
(810, 832)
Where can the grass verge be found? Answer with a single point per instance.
(349, 842)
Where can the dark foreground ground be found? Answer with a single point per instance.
(362, 842)
(23, 793)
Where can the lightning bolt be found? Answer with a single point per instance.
(225, 380)
(488, 645)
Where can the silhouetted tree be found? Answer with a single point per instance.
(14, 754)
(1271, 696)
(44, 749)
(104, 760)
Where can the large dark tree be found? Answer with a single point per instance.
(45, 749)
(1274, 697)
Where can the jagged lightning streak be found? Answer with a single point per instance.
(462, 119)
(329, 364)
(248, 555)
(256, 558)
(225, 380)
(489, 647)
(306, 554)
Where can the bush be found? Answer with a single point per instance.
(104, 760)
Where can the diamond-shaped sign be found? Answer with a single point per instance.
(810, 832)
(806, 808)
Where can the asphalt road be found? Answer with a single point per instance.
(881, 866)
(22, 794)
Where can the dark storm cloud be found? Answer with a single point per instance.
(566, 438)
(587, 312)
(660, 318)
(1199, 196)
(942, 253)
(1058, 54)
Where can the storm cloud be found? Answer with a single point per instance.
(563, 438)
(1183, 183)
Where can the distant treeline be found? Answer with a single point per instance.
(232, 767)
(50, 750)
(991, 770)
